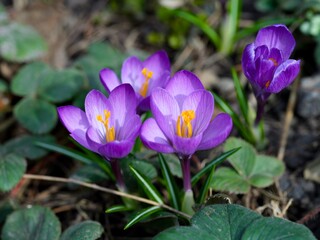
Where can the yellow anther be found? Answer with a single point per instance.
(267, 84)
(275, 63)
(147, 75)
(184, 128)
(110, 132)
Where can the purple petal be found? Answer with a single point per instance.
(123, 101)
(95, 104)
(130, 129)
(186, 146)
(165, 110)
(95, 139)
(201, 101)
(161, 81)
(75, 121)
(217, 132)
(116, 149)
(109, 79)
(144, 105)
(153, 138)
(284, 75)
(131, 73)
(277, 36)
(248, 64)
(157, 63)
(182, 84)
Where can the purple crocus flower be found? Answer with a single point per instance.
(266, 63)
(183, 121)
(109, 126)
(143, 76)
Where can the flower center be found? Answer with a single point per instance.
(110, 132)
(184, 126)
(275, 63)
(147, 75)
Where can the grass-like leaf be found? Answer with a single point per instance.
(169, 182)
(212, 164)
(144, 213)
(118, 208)
(206, 185)
(147, 186)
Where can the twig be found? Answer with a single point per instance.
(103, 189)
(288, 119)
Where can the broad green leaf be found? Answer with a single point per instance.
(90, 173)
(226, 179)
(233, 222)
(60, 86)
(20, 43)
(169, 182)
(6, 208)
(25, 146)
(243, 160)
(12, 168)
(87, 230)
(3, 86)
(212, 164)
(141, 215)
(26, 82)
(174, 164)
(265, 170)
(147, 186)
(36, 223)
(38, 116)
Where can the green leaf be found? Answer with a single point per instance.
(206, 186)
(118, 208)
(20, 43)
(144, 213)
(174, 164)
(226, 179)
(36, 223)
(169, 182)
(212, 164)
(12, 168)
(87, 230)
(26, 82)
(60, 86)
(147, 186)
(243, 161)
(25, 146)
(266, 168)
(3, 86)
(38, 116)
(233, 222)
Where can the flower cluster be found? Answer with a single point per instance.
(183, 114)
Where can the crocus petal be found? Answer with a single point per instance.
(130, 129)
(123, 102)
(94, 139)
(109, 79)
(217, 132)
(165, 110)
(76, 122)
(284, 76)
(157, 63)
(95, 104)
(201, 101)
(131, 73)
(116, 149)
(248, 65)
(277, 36)
(153, 138)
(186, 146)
(73, 118)
(182, 84)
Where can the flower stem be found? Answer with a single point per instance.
(260, 110)
(115, 165)
(185, 166)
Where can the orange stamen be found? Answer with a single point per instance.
(184, 127)
(275, 63)
(144, 88)
(110, 131)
